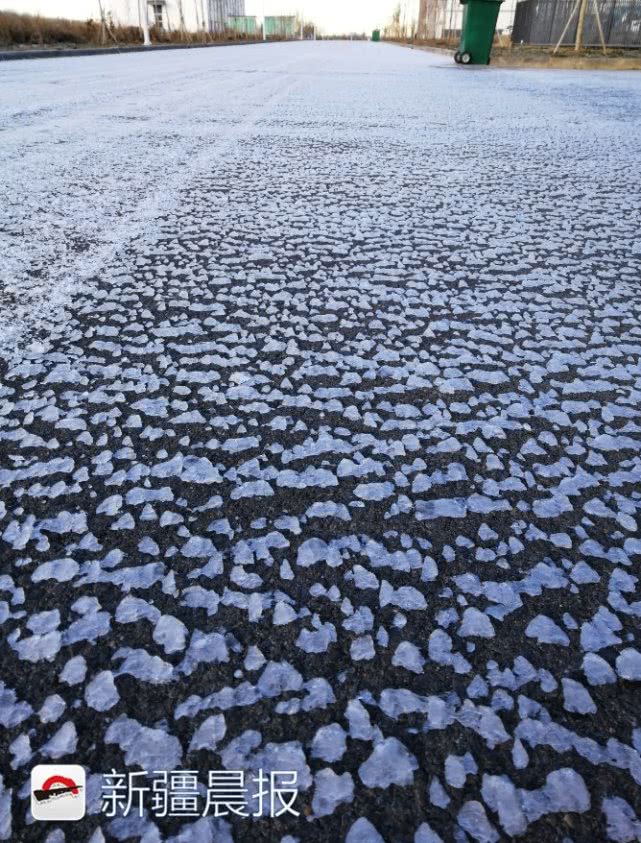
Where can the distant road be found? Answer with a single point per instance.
(320, 440)
(78, 52)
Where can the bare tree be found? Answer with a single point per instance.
(105, 25)
(143, 12)
(181, 18)
(421, 30)
(204, 17)
(393, 29)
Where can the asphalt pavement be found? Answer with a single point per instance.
(320, 445)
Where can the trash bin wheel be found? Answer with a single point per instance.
(457, 57)
(465, 58)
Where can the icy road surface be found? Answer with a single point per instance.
(320, 440)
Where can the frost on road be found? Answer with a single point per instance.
(320, 440)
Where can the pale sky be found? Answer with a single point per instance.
(333, 16)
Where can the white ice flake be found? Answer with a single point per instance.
(501, 796)
(458, 767)
(277, 678)
(473, 819)
(597, 670)
(309, 478)
(628, 664)
(390, 763)
(330, 791)
(205, 647)
(101, 693)
(409, 656)
(52, 708)
(476, 624)
(362, 831)
(545, 631)
(576, 698)
(329, 743)
(110, 506)
(253, 489)
(63, 743)
(318, 640)
(441, 508)
(424, 834)
(564, 791)
(38, 648)
(61, 570)
(74, 671)
(151, 749)
(315, 550)
(374, 491)
(362, 648)
(623, 826)
(170, 633)
(209, 734)
(283, 614)
(141, 665)
(405, 597)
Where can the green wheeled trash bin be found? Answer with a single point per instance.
(376, 35)
(477, 32)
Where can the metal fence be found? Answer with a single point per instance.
(280, 26)
(442, 20)
(242, 25)
(543, 21)
(220, 10)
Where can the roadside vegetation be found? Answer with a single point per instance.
(18, 30)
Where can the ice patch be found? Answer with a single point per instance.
(101, 693)
(545, 631)
(151, 749)
(390, 763)
(330, 791)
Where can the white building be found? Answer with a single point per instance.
(127, 12)
(160, 12)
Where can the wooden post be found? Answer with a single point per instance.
(578, 44)
(566, 27)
